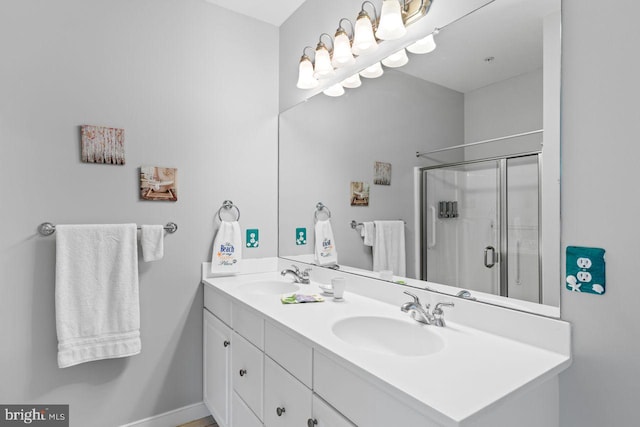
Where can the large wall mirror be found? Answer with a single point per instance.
(466, 142)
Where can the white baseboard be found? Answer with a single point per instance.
(173, 418)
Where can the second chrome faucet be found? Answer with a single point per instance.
(421, 313)
(298, 276)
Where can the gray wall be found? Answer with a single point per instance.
(326, 143)
(177, 76)
(600, 130)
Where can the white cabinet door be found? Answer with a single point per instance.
(216, 366)
(325, 416)
(248, 373)
(287, 402)
(242, 415)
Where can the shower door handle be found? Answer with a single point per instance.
(432, 243)
(491, 261)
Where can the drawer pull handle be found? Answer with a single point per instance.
(280, 411)
(226, 343)
(243, 372)
(311, 422)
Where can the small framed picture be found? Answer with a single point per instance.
(382, 173)
(158, 183)
(102, 145)
(359, 193)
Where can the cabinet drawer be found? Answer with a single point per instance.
(325, 416)
(360, 400)
(294, 355)
(248, 324)
(242, 415)
(218, 304)
(287, 402)
(248, 373)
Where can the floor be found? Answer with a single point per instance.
(202, 422)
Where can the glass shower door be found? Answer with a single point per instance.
(461, 229)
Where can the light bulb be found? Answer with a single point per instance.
(391, 26)
(424, 45)
(363, 39)
(305, 74)
(342, 51)
(352, 82)
(335, 90)
(372, 71)
(397, 59)
(323, 68)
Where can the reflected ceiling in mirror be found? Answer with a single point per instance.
(493, 74)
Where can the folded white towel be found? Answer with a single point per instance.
(152, 242)
(97, 303)
(368, 233)
(388, 247)
(227, 248)
(325, 246)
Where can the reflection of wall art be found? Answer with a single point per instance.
(359, 194)
(158, 183)
(382, 173)
(102, 145)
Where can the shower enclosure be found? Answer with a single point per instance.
(481, 226)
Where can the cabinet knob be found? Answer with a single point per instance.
(243, 372)
(280, 411)
(311, 422)
(226, 343)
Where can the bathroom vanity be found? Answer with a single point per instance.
(364, 362)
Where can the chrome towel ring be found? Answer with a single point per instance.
(319, 208)
(228, 204)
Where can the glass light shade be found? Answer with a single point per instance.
(352, 82)
(424, 45)
(323, 67)
(391, 25)
(342, 50)
(363, 39)
(372, 71)
(335, 90)
(305, 75)
(397, 59)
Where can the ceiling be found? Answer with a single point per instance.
(273, 12)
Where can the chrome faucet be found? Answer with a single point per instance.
(421, 314)
(298, 276)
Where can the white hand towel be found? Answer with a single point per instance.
(97, 303)
(368, 233)
(325, 246)
(227, 248)
(152, 242)
(388, 247)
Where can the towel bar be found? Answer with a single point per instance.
(47, 228)
(355, 224)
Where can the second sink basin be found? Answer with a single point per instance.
(269, 287)
(389, 336)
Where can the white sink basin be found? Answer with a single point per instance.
(389, 336)
(269, 287)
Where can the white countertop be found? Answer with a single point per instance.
(473, 371)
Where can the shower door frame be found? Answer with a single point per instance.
(502, 214)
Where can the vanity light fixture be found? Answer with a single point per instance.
(335, 90)
(397, 59)
(342, 54)
(391, 26)
(424, 45)
(306, 80)
(372, 71)
(352, 82)
(323, 67)
(364, 41)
